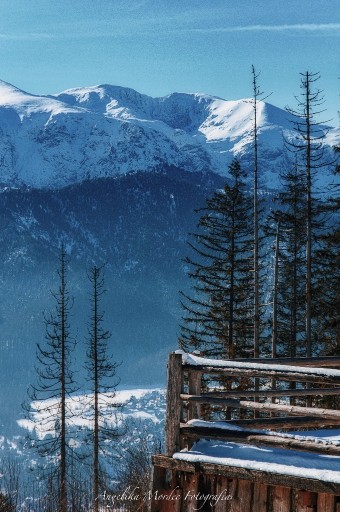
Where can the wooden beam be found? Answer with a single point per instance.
(265, 477)
(270, 392)
(269, 373)
(173, 403)
(279, 408)
(319, 362)
(292, 422)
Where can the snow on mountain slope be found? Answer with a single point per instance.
(138, 404)
(26, 104)
(104, 131)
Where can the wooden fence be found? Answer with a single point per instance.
(295, 383)
(185, 399)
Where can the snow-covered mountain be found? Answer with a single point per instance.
(105, 131)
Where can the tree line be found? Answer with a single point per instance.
(265, 281)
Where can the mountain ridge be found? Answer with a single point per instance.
(103, 131)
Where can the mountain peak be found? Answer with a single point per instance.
(9, 94)
(101, 97)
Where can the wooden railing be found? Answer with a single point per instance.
(308, 377)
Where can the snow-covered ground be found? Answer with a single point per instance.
(138, 404)
(136, 413)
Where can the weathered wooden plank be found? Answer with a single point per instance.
(267, 407)
(305, 501)
(271, 478)
(168, 500)
(190, 491)
(158, 484)
(164, 461)
(325, 502)
(282, 499)
(173, 403)
(320, 362)
(222, 494)
(260, 497)
(270, 392)
(286, 375)
(293, 422)
(243, 498)
(232, 490)
(264, 477)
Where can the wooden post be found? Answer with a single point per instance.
(174, 404)
(189, 493)
(306, 501)
(195, 387)
(260, 497)
(282, 499)
(326, 502)
(243, 499)
(221, 489)
(158, 485)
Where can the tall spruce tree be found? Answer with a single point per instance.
(289, 289)
(103, 382)
(218, 317)
(328, 284)
(48, 406)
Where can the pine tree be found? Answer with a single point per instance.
(55, 382)
(102, 378)
(291, 268)
(328, 284)
(217, 318)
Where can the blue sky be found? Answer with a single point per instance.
(162, 46)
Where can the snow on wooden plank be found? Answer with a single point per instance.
(326, 437)
(264, 406)
(272, 460)
(238, 472)
(202, 362)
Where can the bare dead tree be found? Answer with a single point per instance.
(308, 146)
(48, 407)
(102, 377)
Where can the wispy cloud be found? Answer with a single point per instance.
(111, 28)
(298, 27)
(25, 36)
